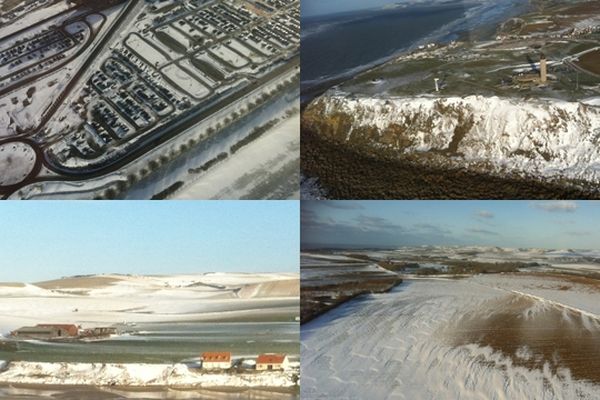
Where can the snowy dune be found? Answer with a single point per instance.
(440, 339)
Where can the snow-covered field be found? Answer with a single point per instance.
(113, 299)
(320, 269)
(254, 165)
(429, 339)
(580, 261)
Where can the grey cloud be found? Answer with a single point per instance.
(341, 205)
(480, 231)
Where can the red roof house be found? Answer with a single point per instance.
(266, 362)
(216, 360)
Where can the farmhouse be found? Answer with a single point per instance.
(216, 360)
(47, 331)
(269, 362)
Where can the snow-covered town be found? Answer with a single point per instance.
(97, 97)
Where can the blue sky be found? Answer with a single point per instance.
(47, 240)
(547, 224)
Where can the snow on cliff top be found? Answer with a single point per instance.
(541, 136)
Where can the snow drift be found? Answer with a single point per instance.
(399, 345)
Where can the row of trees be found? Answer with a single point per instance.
(117, 189)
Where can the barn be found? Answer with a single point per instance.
(216, 360)
(270, 362)
(47, 331)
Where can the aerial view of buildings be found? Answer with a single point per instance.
(142, 99)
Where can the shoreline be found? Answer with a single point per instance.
(76, 392)
(158, 389)
(313, 88)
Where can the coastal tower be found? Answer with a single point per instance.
(437, 86)
(543, 70)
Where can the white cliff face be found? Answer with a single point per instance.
(548, 138)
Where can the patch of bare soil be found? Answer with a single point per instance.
(347, 172)
(590, 61)
(85, 282)
(585, 8)
(12, 284)
(533, 336)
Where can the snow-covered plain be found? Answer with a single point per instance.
(403, 344)
(323, 273)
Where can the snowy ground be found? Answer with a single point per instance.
(145, 375)
(113, 299)
(321, 269)
(17, 160)
(579, 261)
(253, 166)
(431, 339)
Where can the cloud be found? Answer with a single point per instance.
(555, 206)
(480, 231)
(310, 219)
(341, 205)
(484, 214)
(579, 233)
(368, 223)
(430, 228)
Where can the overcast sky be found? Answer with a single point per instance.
(558, 224)
(47, 240)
